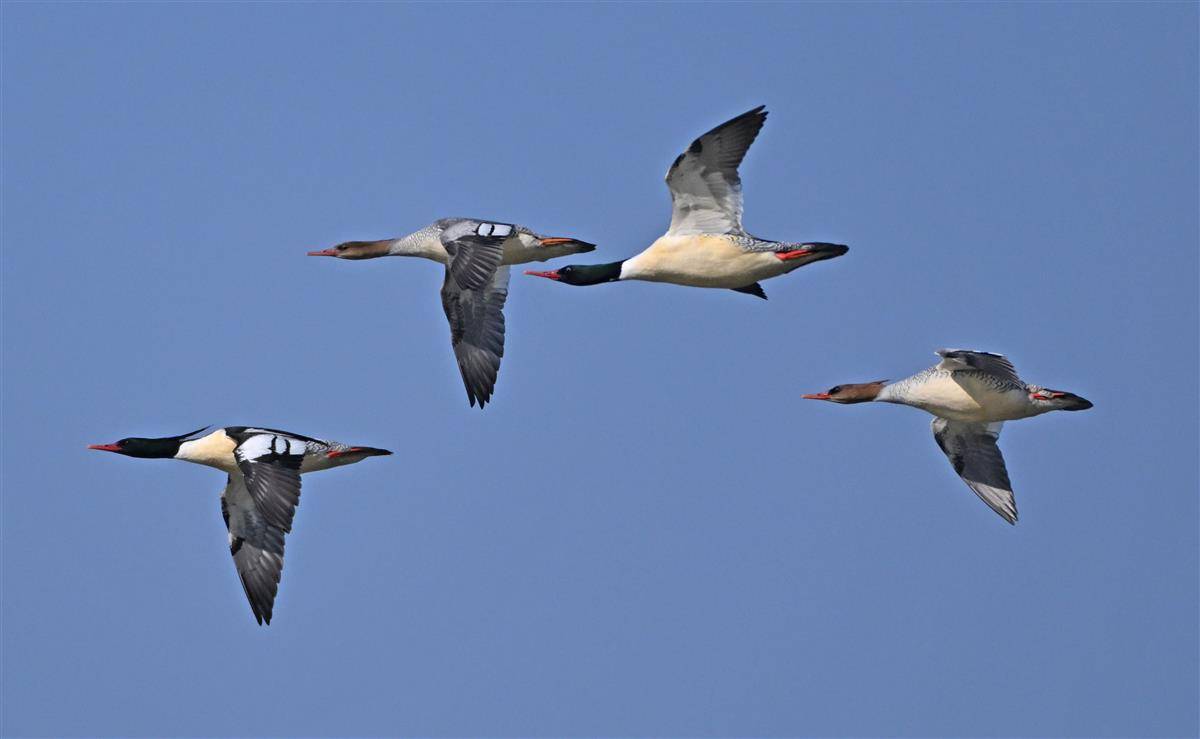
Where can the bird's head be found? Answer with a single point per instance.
(147, 448)
(355, 250)
(861, 392)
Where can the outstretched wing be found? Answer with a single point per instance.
(476, 320)
(706, 191)
(972, 451)
(476, 249)
(966, 359)
(270, 461)
(256, 546)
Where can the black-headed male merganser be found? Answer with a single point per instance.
(476, 254)
(706, 245)
(970, 394)
(261, 494)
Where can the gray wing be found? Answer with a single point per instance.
(271, 463)
(256, 546)
(476, 249)
(476, 320)
(966, 359)
(706, 191)
(972, 451)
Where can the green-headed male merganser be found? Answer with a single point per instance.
(706, 245)
(261, 494)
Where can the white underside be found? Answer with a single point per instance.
(703, 261)
(961, 398)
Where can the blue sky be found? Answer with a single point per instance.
(648, 532)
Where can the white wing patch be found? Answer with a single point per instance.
(493, 229)
(266, 444)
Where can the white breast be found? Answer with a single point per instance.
(959, 398)
(214, 450)
(701, 261)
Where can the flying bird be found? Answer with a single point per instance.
(706, 245)
(970, 394)
(261, 494)
(476, 254)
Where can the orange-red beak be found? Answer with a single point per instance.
(816, 396)
(105, 447)
(552, 275)
(324, 253)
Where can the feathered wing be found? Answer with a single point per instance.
(706, 190)
(975, 457)
(258, 505)
(256, 547)
(966, 359)
(476, 319)
(476, 249)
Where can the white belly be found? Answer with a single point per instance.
(702, 261)
(963, 399)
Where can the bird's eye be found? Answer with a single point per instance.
(835, 390)
(566, 270)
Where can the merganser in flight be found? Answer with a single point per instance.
(970, 394)
(706, 245)
(476, 254)
(262, 492)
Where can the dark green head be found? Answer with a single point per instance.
(583, 274)
(163, 448)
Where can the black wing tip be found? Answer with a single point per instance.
(478, 396)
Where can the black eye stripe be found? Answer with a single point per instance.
(835, 390)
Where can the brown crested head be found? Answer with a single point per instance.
(860, 392)
(356, 250)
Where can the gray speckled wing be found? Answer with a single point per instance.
(966, 359)
(706, 190)
(975, 456)
(476, 320)
(256, 546)
(476, 249)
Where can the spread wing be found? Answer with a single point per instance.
(972, 451)
(476, 249)
(966, 359)
(476, 318)
(256, 546)
(706, 191)
(258, 506)
(270, 462)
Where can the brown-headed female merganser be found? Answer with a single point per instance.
(706, 245)
(261, 494)
(476, 254)
(970, 394)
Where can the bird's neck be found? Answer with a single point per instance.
(594, 274)
(423, 243)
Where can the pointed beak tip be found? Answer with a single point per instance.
(323, 253)
(103, 447)
(552, 275)
(816, 396)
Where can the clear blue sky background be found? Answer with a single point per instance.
(648, 532)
